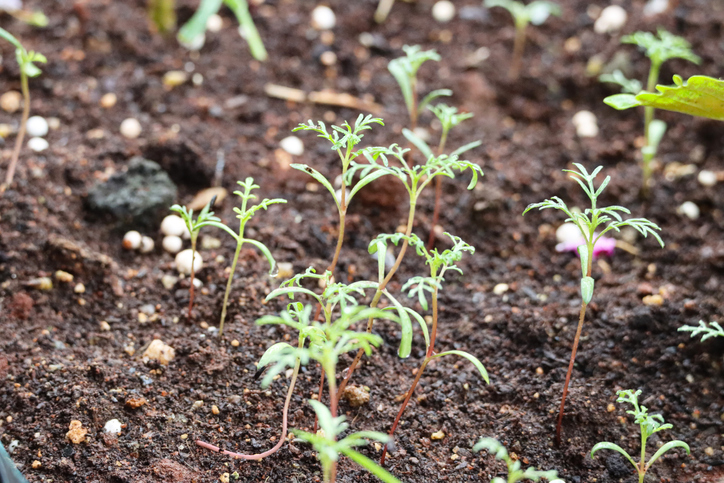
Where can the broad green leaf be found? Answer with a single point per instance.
(478, 365)
(668, 446)
(420, 144)
(613, 447)
(699, 96)
(319, 177)
(271, 353)
(369, 465)
(587, 284)
(622, 101)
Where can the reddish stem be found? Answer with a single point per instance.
(193, 273)
(570, 371)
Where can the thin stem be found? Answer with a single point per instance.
(283, 437)
(413, 109)
(642, 463)
(193, 273)
(518, 48)
(577, 338)
(438, 193)
(332, 385)
(428, 357)
(648, 117)
(319, 397)
(378, 293)
(228, 285)
(21, 132)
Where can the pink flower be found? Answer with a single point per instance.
(604, 246)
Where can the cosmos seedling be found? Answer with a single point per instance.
(449, 117)
(421, 287)
(414, 179)
(628, 86)
(404, 70)
(26, 61)
(162, 14)
(593, 224)
(244, 214)
(706, 331)
(658, 49)
(649, 424)
(205, 218)
(515, 473)
(535, 12)
(193, 32)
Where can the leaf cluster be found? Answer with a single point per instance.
(515, 472)
(711, 330)
(663, 47)
(404, 70)
(536, 12)
(628, 86)
(449, 118)
(205, 217)
(25, 58)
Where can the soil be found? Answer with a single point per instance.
(58, 365)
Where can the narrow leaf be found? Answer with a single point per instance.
(668, 446)
(478, 365)
(416, 141)
(613, 447)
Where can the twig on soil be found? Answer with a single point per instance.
(326, 97)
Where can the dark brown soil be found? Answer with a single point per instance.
(57, 365)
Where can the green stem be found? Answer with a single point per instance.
(518, 48)
(228, 285)
(256, 45)
(21, 132)
(438, 193)
(193, 272)
(642, 463)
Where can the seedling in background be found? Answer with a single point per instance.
(404, 70)
(383, 10)
(515, 473)
(27, 69)
(535, 12)
(414, 179)
(649, 424)
(193, 33)
(244, 214)
(699, 96)
(712, 330)
(658, 49)
(420, 287)
(205, 218)
(162, 14)
(628, 86)
(591, 220)
(449, 118)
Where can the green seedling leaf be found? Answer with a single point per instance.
(405, 325)
(4, 34)
(657, 129)
(196, 26)
(622, 101)
(699, 96)
(628, 86)
(662, 48)
(272, 353)
(539, 11)
(714, 330)
(319, 177)
(370, 466)
(478, 365)
(587, 289)
(668, 446)
(432, 96)
(250, 33)
(416, 141)
(613, 447)
(583, 253)
(466, 147)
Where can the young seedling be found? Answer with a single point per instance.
(535, 12)
(404, 70)
(420, 287)
(699, 96)
(244, 214)
(658, 49)
(649, 424)
(414, 179)
(515, 473)
(449, 118)
(163, 15)
(712, 330)
(591, 220)
(27, 69)
(205, 218)
(628, 86)
(193, 33)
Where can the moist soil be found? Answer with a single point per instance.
(58, 365)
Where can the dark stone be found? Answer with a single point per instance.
(641, 319)
(617, 467)
(137, 196)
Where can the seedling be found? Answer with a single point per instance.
(162, 14)
(699, 96)
(383, 10)
(404, 70)
(205, 218)
(628, 86)
(449, 118)
(649, 424)
(414, 179)
(515, 473)
(605, 219)
(27, 69)
(244, 214)
(535, 12)
(420, 287)
(658, 49)
(193, 32)
(712, 330)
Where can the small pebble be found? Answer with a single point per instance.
(36, 126)
(323, 18)
(159, 351)
(235, 343)
(709, 451)
(131, 128)
(586, 124)
(612, 19)
(132, 240)
(610, 408)
(172, 244)
(215, 409)
(568, 232)
(184, 260)
(104, 326)
(224, 478)
(62, 276)
(655, 7)
(443, 11)
(37, 464)
(707, 178)
(11, 101)
(108, 100)
(38, 144)
(173, 225)
(215, 23)
(76, 432)
(285, 270)
(689, 209)
(5, 130)
(147, 244)
(655, 299)
(210, 243)
(113, 426)
(196, 405)
(79, 288)
(174, 78)
(42, 283)
(292, 145)
(437, 435)
(328, 58)
(168, 281)
(500, 289)
(356, 396)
